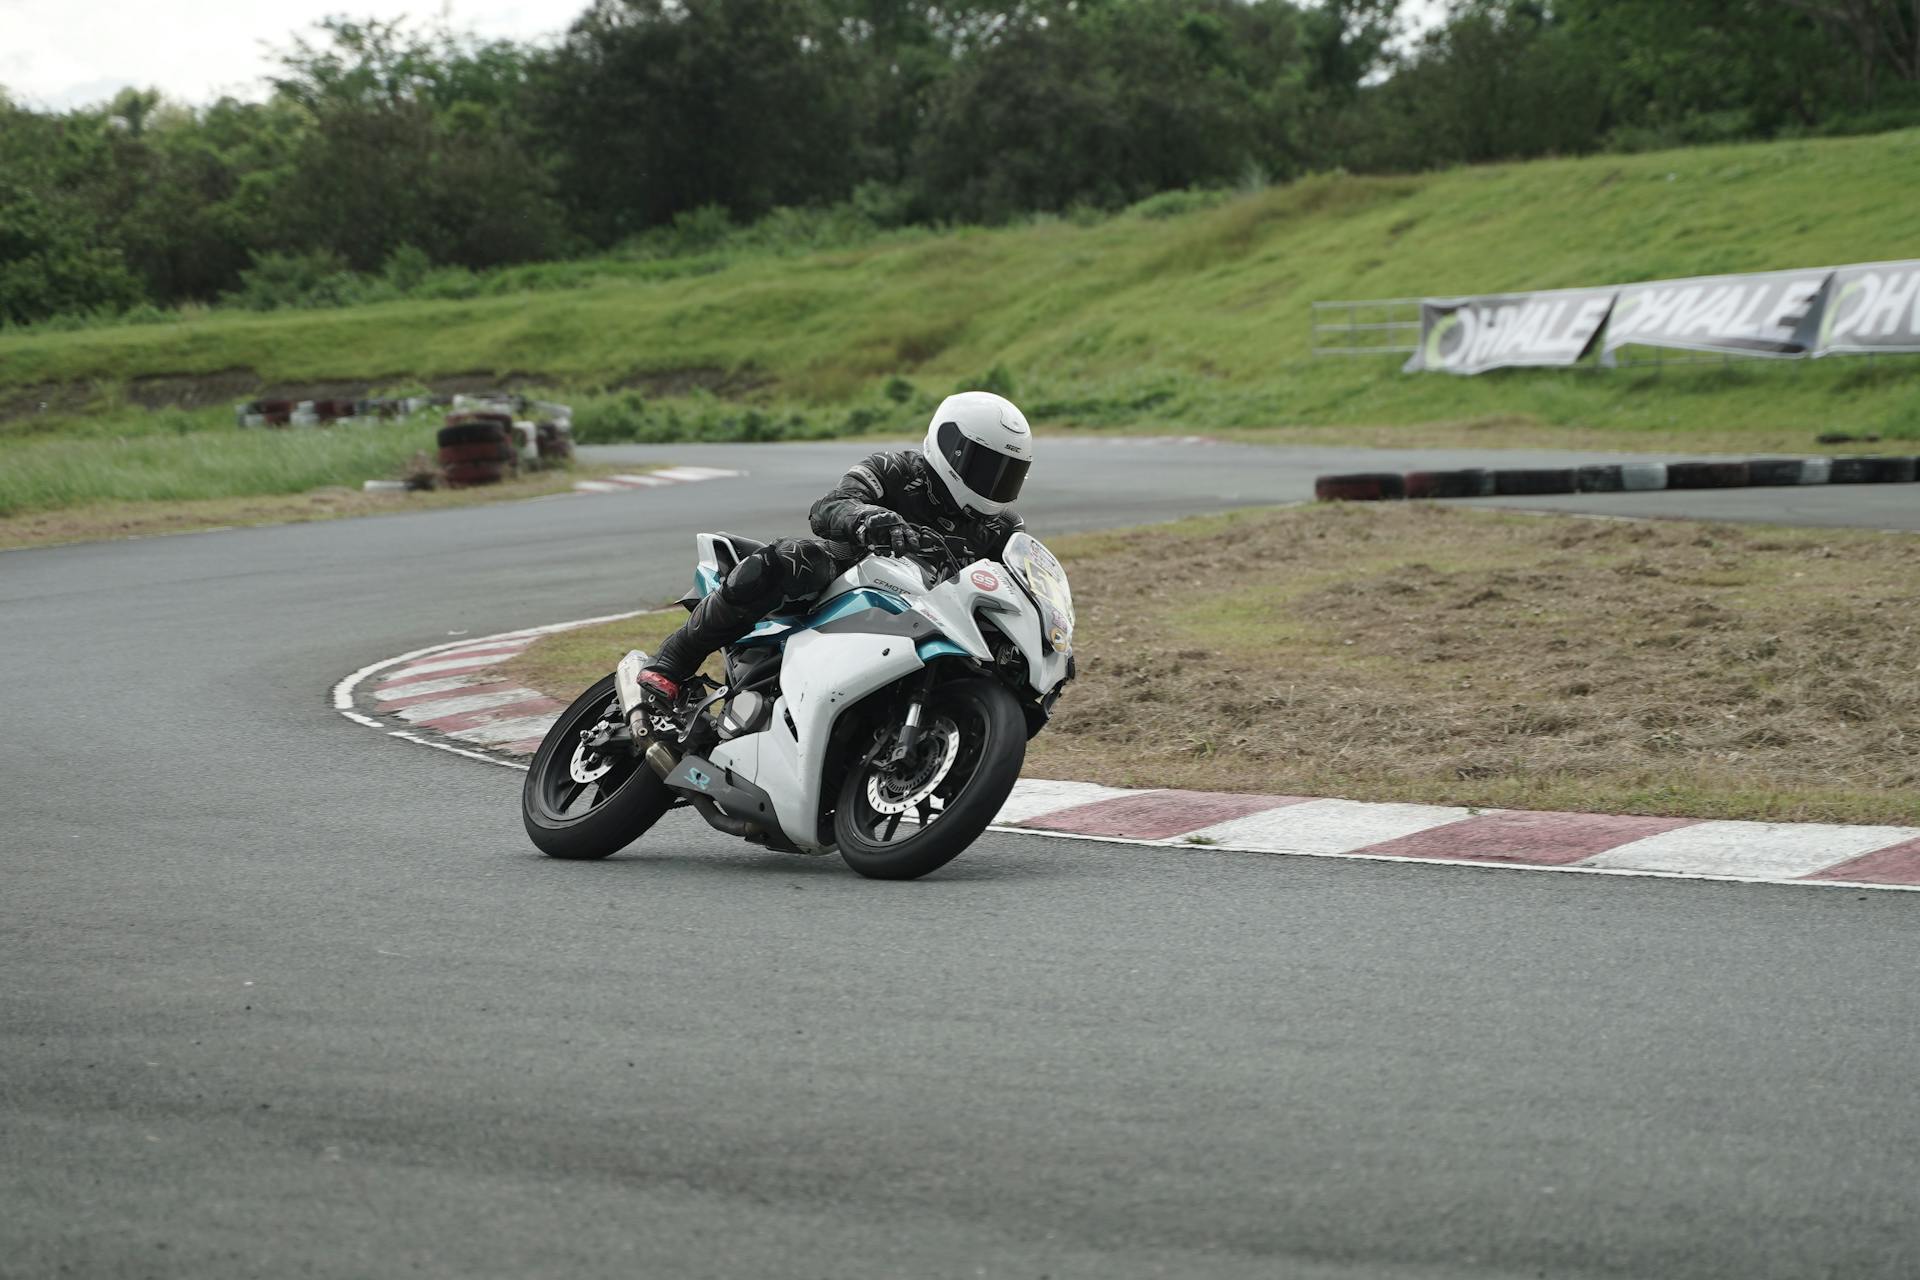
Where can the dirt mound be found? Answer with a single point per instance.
(230, 386)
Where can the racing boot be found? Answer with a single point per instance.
(659, 705)
(715, 621)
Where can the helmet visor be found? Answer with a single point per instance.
(993, 476)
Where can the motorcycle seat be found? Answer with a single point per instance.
(742, 547)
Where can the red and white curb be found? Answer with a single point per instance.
(443, 697)
(654, 479)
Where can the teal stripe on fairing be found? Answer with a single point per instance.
(704, 580)
(776, 630)
(938, 647)
(854, 602)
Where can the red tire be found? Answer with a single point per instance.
(1372, 486)
(451, 454)
(1470, 483)
(463, 475)
(471, 416)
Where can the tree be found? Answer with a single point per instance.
(414, 139)
(1884, 34)
(49, 266)
(655, 108)
(1346, 41)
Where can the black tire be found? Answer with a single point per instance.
(993, 746)
(1470, 483)
(1367, 486)
(1598, 479)
(620, 814)
(1708, 475)
(1533, 480)
(1769, 472)
(472, 433)
(1872, 468)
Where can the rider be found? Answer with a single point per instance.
(960, 481)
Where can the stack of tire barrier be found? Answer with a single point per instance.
(478, 447)
(266, 413)
(324, 412)
(1628, 477)
(554, 440)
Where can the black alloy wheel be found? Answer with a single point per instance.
(899, 822)
(579, 803)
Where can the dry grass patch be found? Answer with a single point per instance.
(1424, 653)
(563, 665)
(103, 521)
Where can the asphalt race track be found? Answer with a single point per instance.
(281, 996)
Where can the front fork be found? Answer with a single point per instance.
(910, 726)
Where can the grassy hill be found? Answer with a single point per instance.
(1187, 312)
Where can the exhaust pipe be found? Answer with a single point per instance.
(660, 759)
(626, 687)
(725, 821)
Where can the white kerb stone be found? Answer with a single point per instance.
(1328, 826)
(1747, 849)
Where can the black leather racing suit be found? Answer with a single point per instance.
(796, 569)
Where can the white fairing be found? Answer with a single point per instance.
(823, 673)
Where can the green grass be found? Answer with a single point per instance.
(1194, 320)
(140, 456)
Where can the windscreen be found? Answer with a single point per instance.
(1046, 581)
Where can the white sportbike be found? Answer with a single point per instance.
(887, 721)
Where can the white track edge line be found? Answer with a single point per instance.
(343, 690)
(409, 735)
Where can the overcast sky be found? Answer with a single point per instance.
(69, 53)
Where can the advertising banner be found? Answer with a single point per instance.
(1774, 314)
(1875, 307)
(1472, 335)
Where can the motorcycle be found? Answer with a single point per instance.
(886, 721)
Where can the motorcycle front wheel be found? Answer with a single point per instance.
(899, 822)
(578, 805)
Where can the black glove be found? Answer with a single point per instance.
(886, 533)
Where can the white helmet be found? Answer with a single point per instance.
(980, 446)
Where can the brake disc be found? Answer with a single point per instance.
(938, 748)
(582, 772)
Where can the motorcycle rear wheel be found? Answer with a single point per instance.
(978, 780)
(569, 819)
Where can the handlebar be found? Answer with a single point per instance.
(934, 553)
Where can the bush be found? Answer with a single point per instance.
(147, 313)
(316, 279)
(996, 380)
(406, 267)
(1171, 204)
(630, 418)
(885, 204)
